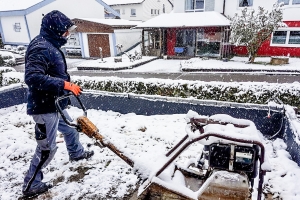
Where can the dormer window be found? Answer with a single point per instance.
(245, 3)
(194, 5)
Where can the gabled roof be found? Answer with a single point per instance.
(193, 19)
(122, 2)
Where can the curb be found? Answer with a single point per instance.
(241, 70)
(117, 68)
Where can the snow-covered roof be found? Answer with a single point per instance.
(194, 19)
(112, 22)
(122, 2)
(9, 5)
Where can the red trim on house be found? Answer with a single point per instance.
(171, 41)
(267, 50)
(292, 23)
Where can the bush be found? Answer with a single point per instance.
(2, 63)
(257, 93)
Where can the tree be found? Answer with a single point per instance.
(252, 29)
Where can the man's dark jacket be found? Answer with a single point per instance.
(45, 65)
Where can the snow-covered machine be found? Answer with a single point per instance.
(228, 167)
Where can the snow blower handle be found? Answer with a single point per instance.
(61, 111)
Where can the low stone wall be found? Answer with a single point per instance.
(275, 60)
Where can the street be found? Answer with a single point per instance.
(193, 76)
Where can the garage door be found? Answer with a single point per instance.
(98, 40)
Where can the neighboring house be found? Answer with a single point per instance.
(20, 20)
(186, 35)
(139, 10)
(93, 34)
(194, 28)
(284, 41)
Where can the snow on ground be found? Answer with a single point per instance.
(105, 176)
(175, 66)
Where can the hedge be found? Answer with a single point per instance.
(240, 92)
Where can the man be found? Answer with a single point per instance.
(47, 78)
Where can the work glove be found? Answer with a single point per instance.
(73, 88)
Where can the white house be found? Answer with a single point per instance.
(20, 19)
(140, 10)
(285, 41)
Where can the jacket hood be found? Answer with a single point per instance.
(54, 25)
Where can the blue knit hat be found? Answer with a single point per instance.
(56, 22)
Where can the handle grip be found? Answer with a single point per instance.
(61, 112)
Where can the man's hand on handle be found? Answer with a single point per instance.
(73, 88)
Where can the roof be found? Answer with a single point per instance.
(122, 2)
(112, 22)
(193, 19)
(7, 5)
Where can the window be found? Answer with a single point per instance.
(279, 37)
(133, 12)
(245, 3)
(295, 2)
(123, 11)
(286, 2)
(117, 10)
(154, 12)
(17, 27)
(194, 5)
(294, 37)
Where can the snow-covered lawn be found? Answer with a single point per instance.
(106, 176)
(236, 64)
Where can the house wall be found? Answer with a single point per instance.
(154, 4)
(84, 45)
(79, 9)
(125, 11)
(290, 16)
(143, 10)
(290, 12)
(10, 34)
(179, 6)
(209, 5)
(127, 38)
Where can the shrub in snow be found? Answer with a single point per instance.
(243, 92)
(253, 29)
(3, 71)
(258, 93)
(2, 63)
